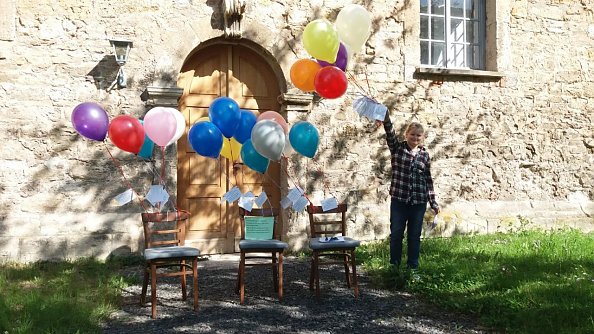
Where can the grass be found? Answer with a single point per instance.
(527, 282)
(59, 297)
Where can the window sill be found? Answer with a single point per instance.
(450, 72)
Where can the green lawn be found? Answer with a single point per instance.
(526, 282)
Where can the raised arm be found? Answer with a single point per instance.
(390, 134)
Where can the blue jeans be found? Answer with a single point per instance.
(407, 216)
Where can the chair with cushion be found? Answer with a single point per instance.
(164, 235)
(260, 245)
(330, 245)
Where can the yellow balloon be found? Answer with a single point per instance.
(231, 149)
(320, 40)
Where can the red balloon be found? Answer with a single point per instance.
(127, 133)
(330, 82)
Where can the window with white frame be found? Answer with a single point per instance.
(452, 33)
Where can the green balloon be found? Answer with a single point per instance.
(320, 40)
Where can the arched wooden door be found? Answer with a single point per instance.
(241, 74)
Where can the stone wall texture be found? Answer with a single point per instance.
(507, 154)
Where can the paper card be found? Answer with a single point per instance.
(294, 194)
(157, 194)
(370, 108)
(258, 228)
(232, 195)
(300, 204)
(260, 200)
(246, 201)
(125, 197)
(329, 204)
(286, 202)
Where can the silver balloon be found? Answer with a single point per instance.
(268, 138)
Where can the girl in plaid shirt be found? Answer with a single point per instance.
(411, 188)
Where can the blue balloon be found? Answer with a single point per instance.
(246, 123)
(224, 113)
(304, 138)
(206, 139)
(146, 150)
(252, 158)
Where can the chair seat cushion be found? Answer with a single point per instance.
(315, 244)
(261, 244)
(170, 252)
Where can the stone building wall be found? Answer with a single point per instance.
(506, 153)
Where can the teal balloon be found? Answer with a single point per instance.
(146, 151)
(304, 138)
(252, 158)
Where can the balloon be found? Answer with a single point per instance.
(304, 138)
(146, 150)
(274, 116)
(268, 138)
(180, 127)
(246, 123)
(320, 40)
(231, 149)
(253, 159)
(90, 120)
(160, 125)
(353, 25)
(206, 139)
(303, 73)
(341, 59)
(331, 82)
(225, 114)
(126, 133)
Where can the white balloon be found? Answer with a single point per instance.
(181, 125)
(353, 25)
(288, 148)
(268, 138)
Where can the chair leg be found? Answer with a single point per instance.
(238, 278)
(353, 263)
(183, 279)
(195, 282)
(311, 273)
(345, 259)
(153, 291)
(280, 275)
(144, 286)
(241, 278)
(317, 273)
(274, 272)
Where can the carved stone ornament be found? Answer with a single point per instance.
(233, 13)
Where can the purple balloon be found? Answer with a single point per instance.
(341, 59)
(90, 120)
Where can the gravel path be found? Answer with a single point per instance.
(337, 311)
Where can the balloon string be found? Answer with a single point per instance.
(162, 176)
(119, 167)
(295, 184)
(155, 174)
(356, 83)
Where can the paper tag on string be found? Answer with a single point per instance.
(125, 197)
(285, 202)
(157, 194)
(300, 204)
(261, 199)
(232, 195)
(294, 194)
(246, 201)
(329, 204)
(367, 107)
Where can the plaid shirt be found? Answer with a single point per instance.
(411, 175)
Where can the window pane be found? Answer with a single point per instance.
(425, 27)
(438, 54)
(473, 57)
(472, 32)
(424, 7)
(457, 8)
(456, 55)
(472, 9)
(437, 28)
(457, 30)
(424, 53)
(437, 7)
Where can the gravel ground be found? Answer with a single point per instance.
(336, 311)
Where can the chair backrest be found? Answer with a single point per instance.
(273, 213)
(164, 229)
(328, 223)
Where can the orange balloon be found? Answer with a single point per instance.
(303, 74)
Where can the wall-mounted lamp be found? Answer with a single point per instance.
(121, 48)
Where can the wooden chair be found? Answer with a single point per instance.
(327, 250)
(164, 235)
(251, 248)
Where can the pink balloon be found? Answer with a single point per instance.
(274, 116)
(160, 125)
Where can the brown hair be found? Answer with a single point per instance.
(415, 125)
